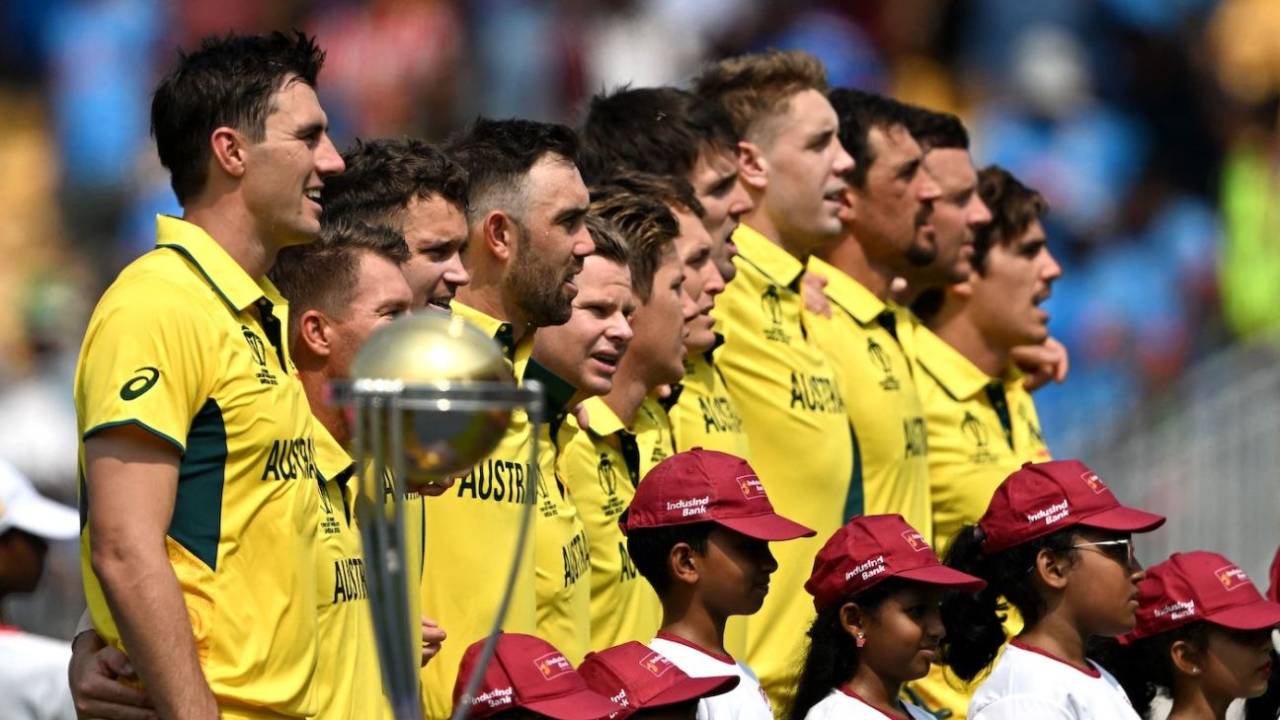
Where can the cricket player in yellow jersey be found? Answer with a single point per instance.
(628, 432)
(791, 163)
(584, 353)
(675, 133)
(526, 244)
(198, 482)
(982, 421)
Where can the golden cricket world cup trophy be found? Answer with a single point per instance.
(429, 396)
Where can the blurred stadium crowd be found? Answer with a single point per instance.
(1150, 126)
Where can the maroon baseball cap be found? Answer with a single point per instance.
(638, 677)
(708, 486)
(528, 672)
(1041, 498)
(1200, 585)
(871, 549)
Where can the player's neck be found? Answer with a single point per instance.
(231, 226)
(879, 692)
(958, 330)
(1058, 636)
(851, 258)
(315, 383)
(628, 392)
(760, 221)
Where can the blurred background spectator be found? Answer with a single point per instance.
(1150, 126)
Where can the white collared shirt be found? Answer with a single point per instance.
(747, 701)
(843, 704)
(1029, 683)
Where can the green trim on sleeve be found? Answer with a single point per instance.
(131, 421)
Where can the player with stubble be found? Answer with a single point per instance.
(791, 162)
(197, 452)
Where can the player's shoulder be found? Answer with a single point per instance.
(161, 282)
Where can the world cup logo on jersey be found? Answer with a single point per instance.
(880, 358)
(973, 429)
(256, 346)
(607, 476)
(1232, 577)
(771, 303)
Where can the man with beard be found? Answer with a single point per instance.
(791, 163)
(527, 242)
(675, 133)
(585, 353)
(628, 431)
(416, 190)
(887, 236)
(982, 421)
(197, 456)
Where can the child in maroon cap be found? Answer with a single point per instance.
(698, 529)
(877, 586)
(527, 678)
(1203, 636)
(1054, 543)
(647, 685)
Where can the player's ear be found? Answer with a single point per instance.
(314, 333)
(499, 235)
(753, 168)
(853, 619)
(682, 563)
(228, 146)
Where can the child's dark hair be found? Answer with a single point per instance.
(975, 621)
(832, 658)
(1144, 667)
(650, 547)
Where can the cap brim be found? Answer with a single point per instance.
(1124, 519)
(581, 705)
(944, 576)
(45, 518)
(693, 689)
(771, 527)
(1254, 616)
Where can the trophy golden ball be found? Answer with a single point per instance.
(435, 350)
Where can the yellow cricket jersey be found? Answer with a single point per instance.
(980, 430)
(891, 469)
(348, 679)
(471, 535)
(561, 549)
(705, 414)
(786, 391)
(601, 467)
(186, 345)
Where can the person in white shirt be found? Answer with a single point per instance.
(33, 669)
(1055, 544)
(698, 529)
(1203, 638)
(877, 587)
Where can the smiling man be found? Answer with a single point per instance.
(414, 189)
(195, 427)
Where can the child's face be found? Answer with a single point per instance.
(1103, 588)
(902, 635)
(1237, 663)
(735, 574)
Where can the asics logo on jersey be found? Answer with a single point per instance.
(144, 380)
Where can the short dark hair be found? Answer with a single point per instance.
(934, 129)
(860, 111)
(322, 275)
(497, 154)
(649, 549)
(671, 190)
(608, 240)
(228, 82)
(1013, 206)
(384, 175)
(646, 224)
(754, 88)
(659, 130)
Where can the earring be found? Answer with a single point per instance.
(1195, 671)
(860, 639)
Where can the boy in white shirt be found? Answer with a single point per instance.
(698, 529)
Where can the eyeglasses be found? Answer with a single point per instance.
(1128, 558)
